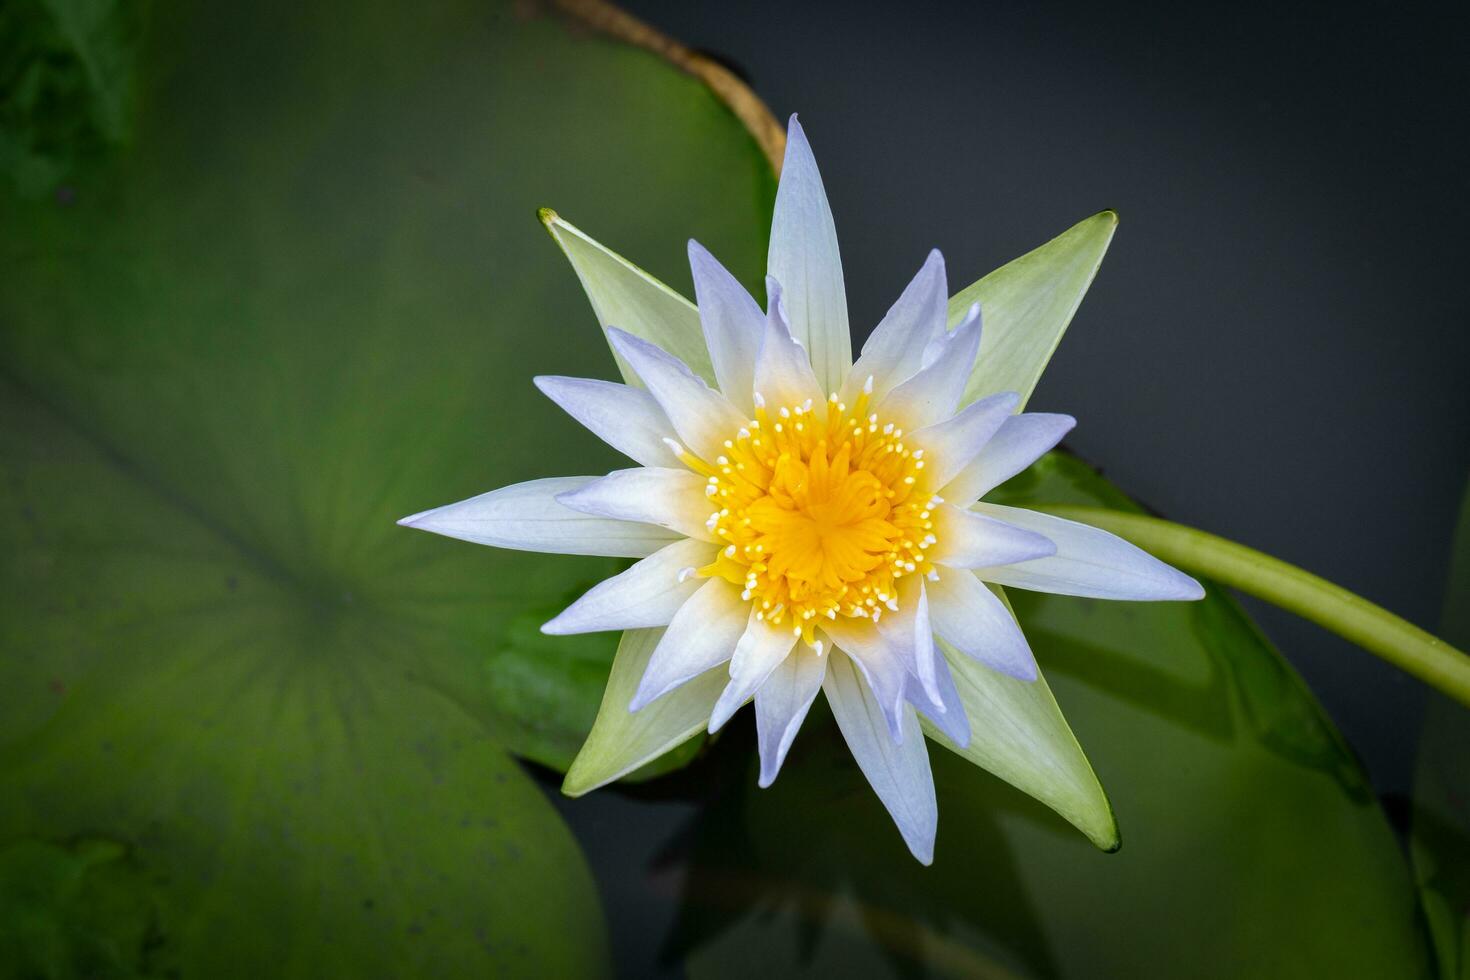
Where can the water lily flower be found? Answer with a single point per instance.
(806, 523)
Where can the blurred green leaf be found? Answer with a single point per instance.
(84, 909)
(1251, 846)
(1440, 816)
(306, 299)
(551, 687)
(66, 85)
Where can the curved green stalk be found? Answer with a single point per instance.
(1350, 616)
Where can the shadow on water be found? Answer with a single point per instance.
(813, 869)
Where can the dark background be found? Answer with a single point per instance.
(1275, 348)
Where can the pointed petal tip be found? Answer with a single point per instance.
(1190, 589)
(577, 782)
(723, 712)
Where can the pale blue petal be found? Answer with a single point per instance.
(967, 539)
(732, 323)
(895, 348)
(975, 622)
(626, 418)
(648, 594)
(803, 258)
(783, 372)
(781, 703)
(760, 650)
(953, 443)
(1021, 441)
(884, 671)
(701, 416)
(671, 498)
(933, 394)
(898, 771)
(908, 634)
(945, 712)
(527, 517)
(702, 634)
(1088, 562)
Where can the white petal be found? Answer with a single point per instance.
(804, 260)
(527, 517)
(971, 540)
(881, 667)
(761, 649)
(626, 418)
(781, 703)
(702, 634)
(702, 416)
(951, 444)
(978, 624)
(783, 372)
(733, 324)
(947, 711)
(623, 295)
(934, 392)
(895, 348)
(648, 594)
(671, 498)
(909, 636)
(898, 772)
(621, 740)
(1089, 562)
(1021, 441)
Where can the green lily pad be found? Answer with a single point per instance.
(66, 86)
(1440, 816)
(1251, 844)
(307, 296)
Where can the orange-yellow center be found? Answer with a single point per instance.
(822, 512)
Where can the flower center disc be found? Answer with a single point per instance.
(822, 512)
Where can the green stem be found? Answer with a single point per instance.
(1350, 616)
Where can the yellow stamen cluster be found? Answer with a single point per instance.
(822, 512)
